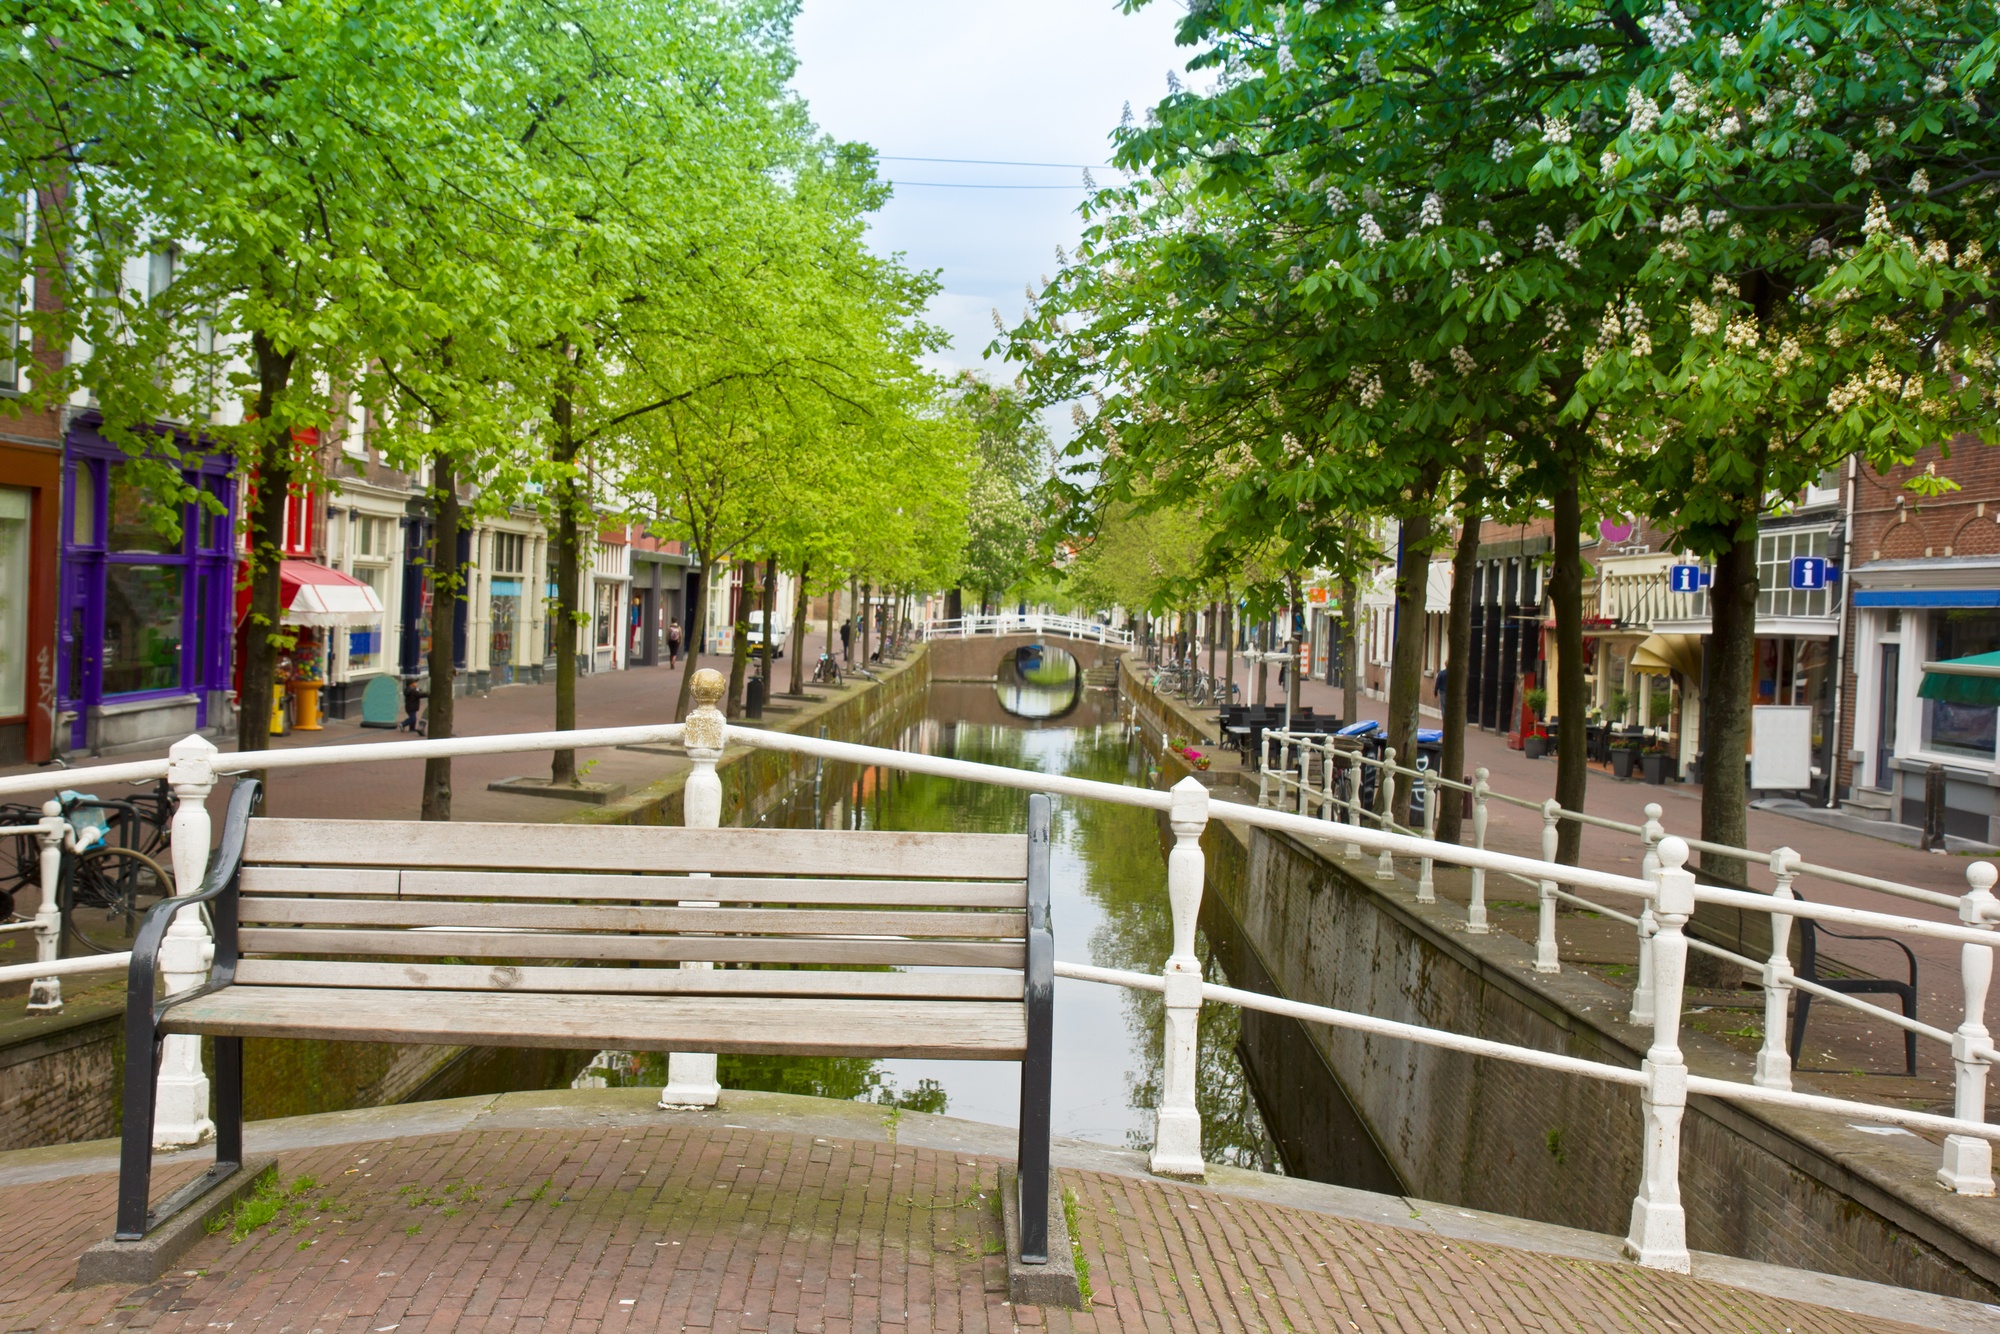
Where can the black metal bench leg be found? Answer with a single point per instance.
(1032, 1153)
(1909, 1037)
(1801, 1004)
(229, 1101)
(135, 1152)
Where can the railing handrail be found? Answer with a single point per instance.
(1914, 893)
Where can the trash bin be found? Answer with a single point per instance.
(753, 697)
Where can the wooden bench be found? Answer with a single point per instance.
(861, 943)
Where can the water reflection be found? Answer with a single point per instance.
(1039, 681)
(1109, 906)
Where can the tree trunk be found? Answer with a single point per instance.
(801, 617)
(1350, 666)
(266, 523)
(1457, 657)
(691, 635)
(1566, 590)
(867, 614)
(1732, 649)
(768, 654)
(832, 610)
(562, 765)
(739, 647)
(1406, 670)
(1228, 647)
(1292, 672)
(446, 579)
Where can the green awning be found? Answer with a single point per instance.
(1974, 680)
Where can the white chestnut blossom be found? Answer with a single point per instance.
(1432, 212)
(1557, 130)
(1336, 199)
(1884, 127)
(1371, 393)
(1935, 85)
(1730, 47)
(1371, 231)
(1545, 236)
(1502, 150)
(1819, 249)
(1669, 28)
(1641, 109)
(1421, 373)
(1861, 163)
(1607, 162)
(1364, 67)
(1877, 219)
(1920, 183)
(1730, 125)
(1462, 361)
(1703, 319)
(1558, 322)
(1287, 63)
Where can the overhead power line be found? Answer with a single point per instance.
(995, 162)
(973, 185)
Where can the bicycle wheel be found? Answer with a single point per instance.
(109, 890)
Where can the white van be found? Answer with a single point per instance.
(755, 637)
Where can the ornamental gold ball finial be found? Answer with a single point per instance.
(709, 687)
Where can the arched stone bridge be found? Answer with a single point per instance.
(979, 657)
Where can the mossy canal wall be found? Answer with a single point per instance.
(61, 1076)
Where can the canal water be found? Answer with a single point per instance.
(1108, 904)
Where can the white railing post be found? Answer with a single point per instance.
(1304, 751)
(1649, 869)
(45, 993)
(1177, 1128)
(1426, 879)
(1354, 771)
(1968, 1161)
(1329, 805)
(1475, 911)
(1385, 803)
(691, 1080)
(1658, 1237)
(1774, 1063)
(1263, 768)
(180, 1109)
(1546, 958)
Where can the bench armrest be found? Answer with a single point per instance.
(218, 888)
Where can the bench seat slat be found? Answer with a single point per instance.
(360, 941)
(812, 1026)
(626, 918)
(878, 854)
(627, 981)
(321, 880)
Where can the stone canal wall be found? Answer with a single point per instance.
(61, 1076)
(1805, 1191)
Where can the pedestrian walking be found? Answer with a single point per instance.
(1440, 685)
(847, 640)
(673, 643)
(413, 699)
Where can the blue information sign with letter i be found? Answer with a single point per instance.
(1686, 579)
(1810, 573)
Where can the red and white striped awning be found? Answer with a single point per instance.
(313, 594)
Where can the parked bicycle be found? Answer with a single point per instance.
(826, 672)
(115, 858)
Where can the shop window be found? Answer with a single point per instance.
(129, 516)
(1961, 728)
(509, 553)
(15, 585)
(142, 627)
(364, 643)
(606, 621)
(1775, 595)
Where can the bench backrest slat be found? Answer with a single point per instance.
(628, 919)
(629, 981)
(502, 944)
(428, 884)
(880, 854)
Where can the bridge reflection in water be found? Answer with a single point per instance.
(1040, 681)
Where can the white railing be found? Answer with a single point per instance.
(1029, 623)
(1667, 892)
(56, 836)
(1324, 774)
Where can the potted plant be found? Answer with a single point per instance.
(1536, 743)
(1656, 761)
(1624, 754)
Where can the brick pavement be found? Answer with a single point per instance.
(675, 1225)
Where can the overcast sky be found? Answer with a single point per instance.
(1040, 81)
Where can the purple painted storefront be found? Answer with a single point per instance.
(144, 630)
